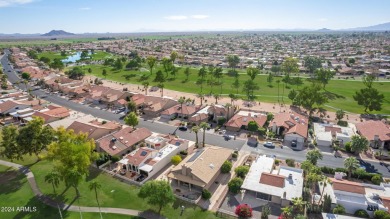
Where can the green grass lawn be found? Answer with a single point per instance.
(112, 194)
(344, 89)
(16, 192)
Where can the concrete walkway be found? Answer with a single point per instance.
(49, 201)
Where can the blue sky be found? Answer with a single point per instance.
(79, 16)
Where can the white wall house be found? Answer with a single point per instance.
(325, 134)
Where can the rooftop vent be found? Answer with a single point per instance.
(114, 147)
(211, 166)
(126, 142)
(113, 139)
(121, 138)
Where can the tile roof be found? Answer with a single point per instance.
(242, 120)
(371, 128)
(348, 186)
(7, 105)
(272, 179)
(294, 123)
(139, 156)
(198, 117)
(187, 110)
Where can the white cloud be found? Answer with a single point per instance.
(5, 3)
(323, 19)
(84, 9)
(200, 16)
(176, 17)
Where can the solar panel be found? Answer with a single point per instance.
(144, 153)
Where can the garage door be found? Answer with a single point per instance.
(292, 137)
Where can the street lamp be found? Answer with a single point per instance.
(182, 210)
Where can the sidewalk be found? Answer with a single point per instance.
(48, 201)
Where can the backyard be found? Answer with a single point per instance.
(112, 194)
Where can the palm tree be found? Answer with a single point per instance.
(146, 85)
(195, 129)
(351, 164)
(278, 82)
(228, 106)
(54, 178)
(299, 204)
(161, 86)
(324, 182)
(313, 156)
(287, 212)
(233, 98)
(201, 97)
(95, 186)
(181, 101)
(202, 73)
(204, 126)
(216, 96)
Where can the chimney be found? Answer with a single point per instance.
(184, 170)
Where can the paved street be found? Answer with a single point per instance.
(329, 160)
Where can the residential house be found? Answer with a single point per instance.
(11, 106)
(184, 110)
(241, 120)
(51, 113)
(377, 132)
(326, 134)
(95, 129)
(199, 170)
(355, 196)
(292, 126)
(123, 141)
(153, 106)
(280, 185)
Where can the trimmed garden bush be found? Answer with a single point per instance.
(376, 179)
(361, 213)
(339, 209)
(243, 211)
(381, 214)
(206, 195)
(290, 162)
(115, 159)
(176, 160)
(226, 167)
(241, 171)
(235, 185)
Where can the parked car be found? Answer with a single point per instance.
(183, 128)
(269, 144)
(227, 137)
(140, 178)
(294, 143)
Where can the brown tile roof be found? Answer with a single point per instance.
(348, 186)
(139, 156)
(198, 117)
(386, 203)
(371, 128)
(290, 122)
(333, 130)
(187, 110)
(241, 120)
(272, 179)
(7, 105)
(138, 99)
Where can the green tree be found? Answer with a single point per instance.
(233, 61)
(54, 179)
(299, 204)
(84, 54)
(241, 171)
(236, 84)
(45, 60)
(201, 97)
(351, 164)
(327, 206)
(151, 61)
(233, 98)
(202, 73)
(104, 73)
(187, 73)
(157, 192)
(290, 65)
(173, 56)
(167, 65)
(249, 87)
(195, 129)
(359, 144)
(226, 166)
(275, 69)
(76, 73)
(10, 148)
(235, 185)
(252, 72)
(270, 78)
(131, 120)
(118, 65)
(94, 185)
(159, 77)
(206, 195)
(34, 137)
(313, 156)
(323, 76)
(131, 106)
(216, 97)
(204, 126)
(370, 98)
(311, 97)
(26, 76)
(253, 126)
(340, 114)
(161, 86)
(181, 101)
(368, 80)
(89, 70)
(292, 95)
(312, 63)
(175, 160)
(73, 155)
(265, 211)
(57, 64)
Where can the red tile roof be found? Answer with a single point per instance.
(386, 203)
(187, 110)
(7, 105)
(139, 156)
(241, 120)
(371, 128)
(294, 123)
(348, 186)
(272, 179)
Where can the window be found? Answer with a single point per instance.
(263, 196)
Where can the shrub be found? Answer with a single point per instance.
(184, 152)
(339, 209)
(290, 162)
(340, 169)
(235, 185)
(327, 170)
(342, 123)
(226, 166)
(262, 131)
(277, 162)
(376, 179)
(115, 159)
(234, 155)
(361, 213)
(241, 171)
(327, 206)
(206, 195)
(221, 121)
(243, 211)
(176, 160)
(381, 214)
(348, 147)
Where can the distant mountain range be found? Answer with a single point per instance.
(58, 33)
(62, 33)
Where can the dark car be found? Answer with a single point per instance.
(294, 143)
(140, 178)
(183, 128)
